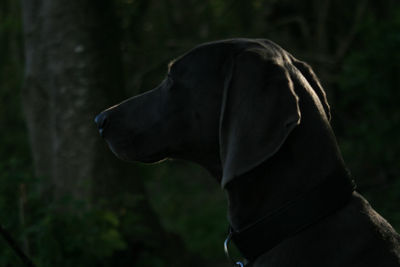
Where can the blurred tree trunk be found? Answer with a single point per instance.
(73, 70)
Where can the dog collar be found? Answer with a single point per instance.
(292, 218)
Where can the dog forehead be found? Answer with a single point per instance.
(210, 55)
(205, 55)
(203, 60)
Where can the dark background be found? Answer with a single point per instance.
(65, 197)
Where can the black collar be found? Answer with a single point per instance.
(295, 216)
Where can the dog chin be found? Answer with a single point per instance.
(149, 158)
(121, 155)
(131, 157)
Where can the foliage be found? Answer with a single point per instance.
(62, 232)
(369, 114)
(171, 187)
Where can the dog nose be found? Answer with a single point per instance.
(101, 121)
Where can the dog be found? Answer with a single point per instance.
(258, 120)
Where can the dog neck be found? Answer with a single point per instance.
(250, 202)
(279, 180)
(296, 215)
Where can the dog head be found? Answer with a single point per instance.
(228, 105)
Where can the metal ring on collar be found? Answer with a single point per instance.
(226, 250)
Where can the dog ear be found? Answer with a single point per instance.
(312, 79)
(259, 110)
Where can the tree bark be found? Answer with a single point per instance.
(72, 71)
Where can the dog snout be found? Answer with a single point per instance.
(101, 120)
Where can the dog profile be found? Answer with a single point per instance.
(258, 119)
